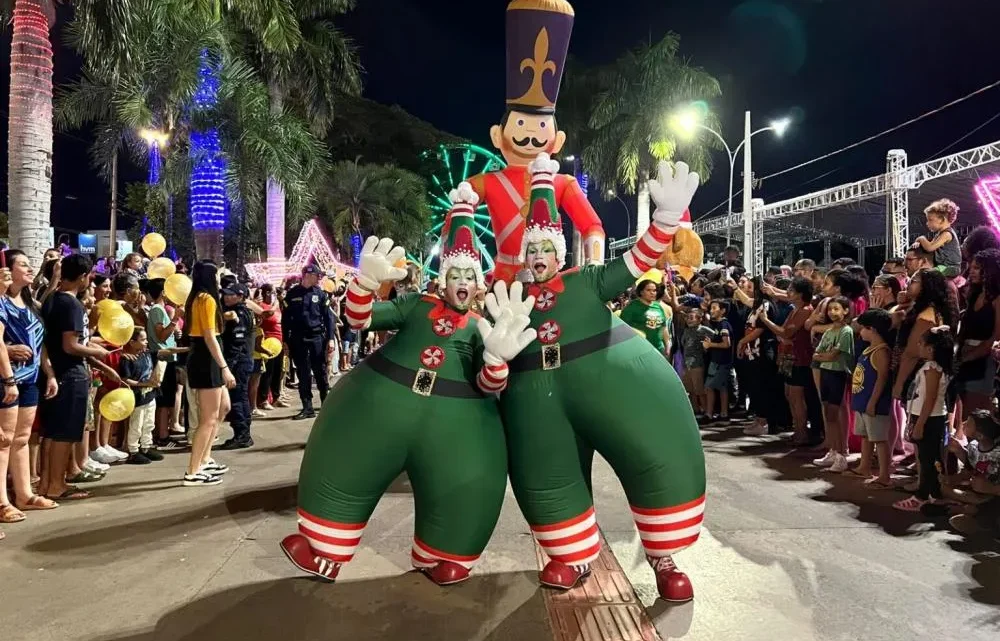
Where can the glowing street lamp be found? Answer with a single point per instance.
(686, 123)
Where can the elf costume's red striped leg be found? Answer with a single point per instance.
(322, 546)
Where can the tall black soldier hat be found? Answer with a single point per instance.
(538, 33)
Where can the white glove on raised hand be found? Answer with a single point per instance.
(510, 333)
(672, 192)
(464, 193)
(378, 263)
(499, 300)
(543, 164)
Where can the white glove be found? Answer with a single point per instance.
(672, 192)
(505, 339)
(511, 332)
(543, 164)
(464, 193)
(378, 263)
(498, 300)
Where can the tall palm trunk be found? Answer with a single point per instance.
(642, 220)
(29, 143)
(275, 205)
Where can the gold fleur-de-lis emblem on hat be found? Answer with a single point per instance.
(538, 65)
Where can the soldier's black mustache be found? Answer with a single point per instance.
(535, 142)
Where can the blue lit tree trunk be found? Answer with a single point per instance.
(155, 162)
(208, 206)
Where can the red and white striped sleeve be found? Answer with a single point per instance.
(359, 306)
(643, 256)
(492, 379)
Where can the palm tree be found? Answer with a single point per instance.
(365, 199)
(630, 131)
(29, 168)
(151, 81)
(305, 80)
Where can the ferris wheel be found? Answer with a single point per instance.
(447, 166)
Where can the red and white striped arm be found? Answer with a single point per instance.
(359, 306)
(492, 379)
(643, 256)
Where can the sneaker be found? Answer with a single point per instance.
(266, 407)
(103, 457)
(169, 446)
(718, 421)
(839, 463)
(138, 458)
(200, 478)
(282, 404)
(237, 444)
(121, 456)
(96, 467)
(258, 414)
(213, 468)
(152, 454)
(757, 429)
(826, 461)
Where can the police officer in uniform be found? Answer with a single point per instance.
(310, 328)
(237, 347)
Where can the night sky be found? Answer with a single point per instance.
(843, 69)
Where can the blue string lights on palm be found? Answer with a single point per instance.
(355, 249)
(154, 177)
(208, 205)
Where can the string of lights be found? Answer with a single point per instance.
(208, 203)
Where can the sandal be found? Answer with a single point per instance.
(875, 484)
(86, 477)
(38, 502)
(10, 514)
(853, 472)
(912, 504)
(71, 494)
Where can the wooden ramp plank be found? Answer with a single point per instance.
(604, 608)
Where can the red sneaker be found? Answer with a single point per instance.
(296, 547)
(673, 585)
(561, 576)
(447, 573)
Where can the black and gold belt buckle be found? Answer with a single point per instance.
(423, 382)
(551, 356)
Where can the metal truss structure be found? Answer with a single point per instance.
(894, 186)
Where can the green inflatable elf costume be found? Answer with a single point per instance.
(425, 404)
(591, 383)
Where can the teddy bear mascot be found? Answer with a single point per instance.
(538, 34)
(425, 403)
(591, 383)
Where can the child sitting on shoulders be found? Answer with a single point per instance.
(943, 241)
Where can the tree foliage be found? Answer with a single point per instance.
(375, 199)
(147, 80)
(629, 129)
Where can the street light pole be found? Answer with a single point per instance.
(749, 249)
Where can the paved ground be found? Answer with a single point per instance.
(786, 554)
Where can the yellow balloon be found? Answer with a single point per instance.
(177, 288)
(270, 347)
(107, 304)
(161, 268)
(654, 275)
(153, 244)
(328, 285)
(116, 326)
(118, 405)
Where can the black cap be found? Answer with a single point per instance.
(312, 269)
(236, 289)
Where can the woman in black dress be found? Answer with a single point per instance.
(208, 376)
